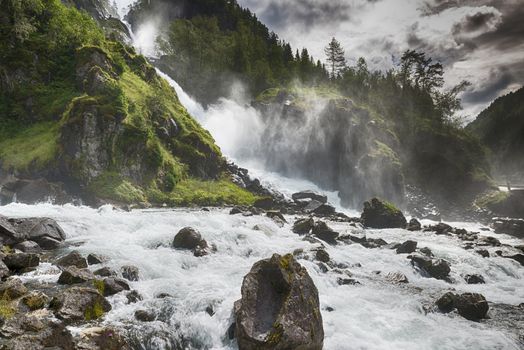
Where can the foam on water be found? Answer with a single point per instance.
(373, 315)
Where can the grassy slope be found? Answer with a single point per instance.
(33, 116)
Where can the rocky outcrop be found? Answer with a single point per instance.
(381, 214)
(279, 308)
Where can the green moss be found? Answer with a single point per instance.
(285, 261)
(7, 308)
(390, 207)
(31, 148)
(95, 311)
(112, 186)
(275, 335)
(492, 199)
(382, 150)
(34, 301)
(99, 285)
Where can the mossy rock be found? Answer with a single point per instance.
(382, 214)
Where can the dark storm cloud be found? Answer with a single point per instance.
(475, 22)
(498, 81)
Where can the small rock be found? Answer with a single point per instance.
(235, 210)
(28, 247)
(440, 228)
(322, 256)
(209, 310)
(309, 195)
(446, 303)
(20, 261)
(472, 306)
(489, 241)
(4, 270)
(436, 268)
(72, 259)
(517, 257)
(130, 273)
(303, 226)
(325, 210)
(105, 272)
(114, 285)
(12, 289)
(74, 275)
(347, 281)
(426, 251)
(397, 277)
(133, 297)
(325, 233)
(163, 295)
(407, 247)
(483, 252)
(145, 315)
(95, 259)
(474, 279)
(414, 225)
(276, 216)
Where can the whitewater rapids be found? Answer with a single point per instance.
(373, 315)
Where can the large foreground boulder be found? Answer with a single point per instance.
(190, 239)
(279, 308)
(382, 214)
(44, 231)
(472, 306)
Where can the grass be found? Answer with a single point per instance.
(31, 148)
(7, 308)
(111, 185)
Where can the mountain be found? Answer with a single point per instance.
(83, 115)
(501, 129)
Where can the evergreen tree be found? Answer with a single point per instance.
(335, 57)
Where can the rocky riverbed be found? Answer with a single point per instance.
(115, 279)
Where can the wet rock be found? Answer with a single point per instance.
(312, 206)
(210, 311)
(426, 251)
(517, 257)
(407, 247)
(347, 281)
(134, 297)
(74, 275)
(381, 214)
(163, 295)
(114, 285)
(397, 277)
(303, 226)
(130, 273)
(79, 304)
(12, 289)
(279, 308)
(482, 252)
(8, 233)
(472, 306)
(374, 243)
(488, 241)
(440, 228)
(446, 303)
(145, 315)
(101, 338)
(436, 268)
(95, 259)
(276, 216)
(21, 261)
(325, 210)
(322, 255)
(44, 231)
(324, 232)
(72, 259)
(4, 270)
(105, 272)
(191, 239)
(510, 226)
(474, 279)
(393, 245)
(414, 225)
(25, 332)
(235, 210)
(309, 195)
(35, 300)
(28, 247)
(264, 203)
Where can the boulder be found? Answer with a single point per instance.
(235, 210)
(322, 256)
(325, 210)
(309, 195)
(12, 289)
(414, 225)
(190, 239)
(114, 285)
(474, 279)
(279, 308)
(265, 203)
(44, 231)
(28, 247)
(24, 331)
(446, 303)
(517, 257)
(9, 235)
(324, 232)
(74, 275)
(105, 272)
(407, 247)
(133, 297)
(72, 259)
(79, 304)
(303, 226)
(101, 338)
(35, 300)
(145, 315)
(312, 206)
(130, 272)
(381, 214)
(472, 306)
(95, 259)
(440, 228)
(436, 268)
(20, 261)
(397, 277)
(482, 252)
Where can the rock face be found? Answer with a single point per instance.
(279, 308)
(381, 214)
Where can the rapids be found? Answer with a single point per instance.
(373, 315)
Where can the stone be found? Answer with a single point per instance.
(322, 256)
(134, 297)
(28, 247)
(440, 228)
(44, 231)
(35, 300)
(474, 279)
(436, 268)
(414, 225)
(489, 241)
(12, 289)
(309, 195)
(4, 270)
(72, 259)
(426, 251)
(266, 203)
(130, 273)
(472, 306)
(101, 338)
(517, 257)
(79, 304)
(74, 275)
(312, 206)
(397, 277)
(24, 331)
(235, 210)
(407, 247)
(325, 210)
(105, 272)
(482, 252)
(188, 238)
(347, 281)
(324, 232)
(303, 226)
(279, 308)
(446, 303)
(9, 235)
(95, 259)
(145, 315)
(20, 261)
(114, 285)
(381, 214)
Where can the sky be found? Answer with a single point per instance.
(481, 41)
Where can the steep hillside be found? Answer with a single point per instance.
(94, 119)
(501, 128)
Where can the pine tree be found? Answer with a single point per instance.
(335, 57)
